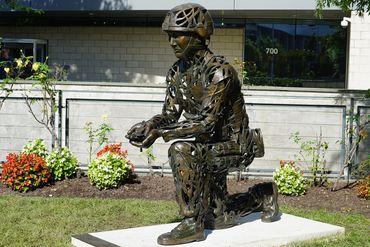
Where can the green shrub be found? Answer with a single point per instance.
(111, 168)
(36, 146)
(23, 172)
(62, 163)
(289, 179)
(312, 152)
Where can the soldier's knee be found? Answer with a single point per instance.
(182, 154)
(180, 147)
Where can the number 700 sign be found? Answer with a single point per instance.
(272, 51)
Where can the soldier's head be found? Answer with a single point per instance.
(189, 27)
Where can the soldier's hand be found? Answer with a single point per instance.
(150, 139)
(138, 132)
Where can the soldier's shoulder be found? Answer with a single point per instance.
(220, 69)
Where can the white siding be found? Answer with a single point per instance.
(276, 113)
(359, 52)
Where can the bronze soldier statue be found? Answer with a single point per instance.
(206, 91)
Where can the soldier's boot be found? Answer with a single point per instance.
(263, 198)
(270, 207)
(189, 230)
(259, 198)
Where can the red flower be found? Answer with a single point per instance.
(113, 148)
(19, 171)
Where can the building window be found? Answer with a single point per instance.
(295, 53)
(29, 47)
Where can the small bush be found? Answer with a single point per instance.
(110, 168)
(289, 179)
(363, 188)
(36, 146)
(62, 163)
(25, 172)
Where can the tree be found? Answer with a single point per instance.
(42, 81)
(14, 5)
(45, 83)
(360, 6)
(357, 133)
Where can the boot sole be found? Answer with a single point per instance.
(193, 238)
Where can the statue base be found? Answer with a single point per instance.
(250, 232)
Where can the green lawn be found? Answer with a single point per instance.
(30, 221)
(357, 227)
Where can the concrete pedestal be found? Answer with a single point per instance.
(250, 232)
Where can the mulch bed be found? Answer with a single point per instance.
(162, 188)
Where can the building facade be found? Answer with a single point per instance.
(281, 44)
(114, 59)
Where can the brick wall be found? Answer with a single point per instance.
(359, 53)
(119, 54)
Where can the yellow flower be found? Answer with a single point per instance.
(42, 75)
(104, 117)
(6, 70)
(19, 62)
(35, 66)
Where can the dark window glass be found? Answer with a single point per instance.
(27, 49)
(295, 53)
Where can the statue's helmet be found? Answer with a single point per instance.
(191, 18)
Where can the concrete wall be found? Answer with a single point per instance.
(359, 52)
(277, 112)
(119, 54)
(17, 126)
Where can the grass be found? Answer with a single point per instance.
(357, 227)
(32, 221)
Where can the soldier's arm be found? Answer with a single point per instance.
(171, 110)
(145, 133)
(210, 112)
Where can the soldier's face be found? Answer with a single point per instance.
(180, 42)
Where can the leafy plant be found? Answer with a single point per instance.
(62, 163)
(315, 151)
(25, 172)
(356, 130)
(36, 146)
(150, 159)
(149, 154)
(363, 188)
(360, 6)
(362, 169)
(111, 168)
(289, 179)
(242, 71)
(40, 73)
(15, 5)
(14, 70)
(45, 82)
(98, 135)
